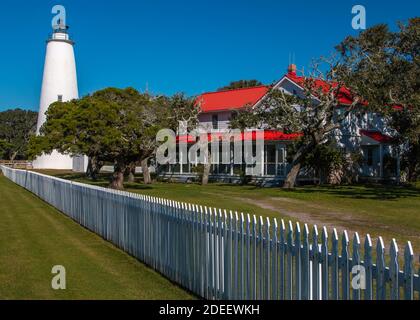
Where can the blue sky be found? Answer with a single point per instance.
(176, 45)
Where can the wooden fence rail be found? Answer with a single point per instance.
(219, 254)
(17, 164)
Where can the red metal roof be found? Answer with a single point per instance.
(230, 99)
(269, 135)
(344, 95)
(377, 136)
(238, 98)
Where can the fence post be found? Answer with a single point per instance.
(207, 245)
(289, 263)
(203, 261)
(298, 264)
(282, 248)
(211, 254)
(380, 270)
(230, 255)
(408, 272)
(305, 264)
(226, 259)
(324, 264)
(267, 261)
(242, 263)
(236, 268)
(274, 252)
(345, 274)
(356, 262)
(261, 259)
(394, 270)
(254, 258)
(220, 255)
(248, 258)
(368, 267)
(315, 264)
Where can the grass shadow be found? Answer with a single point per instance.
(372, 192)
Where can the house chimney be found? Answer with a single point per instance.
(291, 68)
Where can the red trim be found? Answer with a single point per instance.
(269, 135)
(377, 136)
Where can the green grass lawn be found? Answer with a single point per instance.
(387, 211)
(34, 237)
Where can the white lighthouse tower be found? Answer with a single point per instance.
(59, 83)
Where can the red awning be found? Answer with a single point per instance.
(377, 136)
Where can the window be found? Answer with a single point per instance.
(369, 156)
(280, 155)
(60, 98)
(215, 121)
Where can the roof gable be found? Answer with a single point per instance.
(344, 95)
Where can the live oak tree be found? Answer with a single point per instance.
(163, 113)
(111, 125)
(16, 128)
(108, 126)
(78, 127)
(384, 67)
(315, 114)
(378, 70)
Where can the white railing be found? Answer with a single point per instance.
(222, 255)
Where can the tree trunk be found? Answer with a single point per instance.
(89, 169)
(290, 181)
(13, 156)
(296, 165)
(93, 168)
(130, 172)
(206, 170)
(117, 180)
(146, 173)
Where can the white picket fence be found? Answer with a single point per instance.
(222, 255)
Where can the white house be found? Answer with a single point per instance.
(362, 130)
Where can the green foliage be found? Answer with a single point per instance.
(384, 69)
(323, 159)
(112, 125)
(241, 84)
(16, 128)
(389, 165)
(5, 149)
(180, 109)
(199, 170)
(315, 114)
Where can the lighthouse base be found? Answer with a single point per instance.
(55, 160)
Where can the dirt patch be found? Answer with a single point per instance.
(305, 217)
